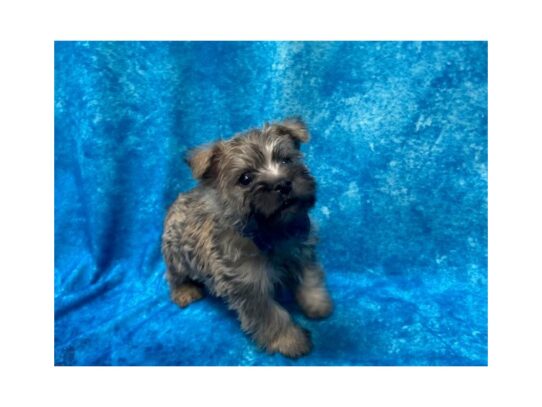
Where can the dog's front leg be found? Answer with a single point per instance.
(311, 292)
(270, 324)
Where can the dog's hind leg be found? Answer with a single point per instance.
(184, 290)
(186, 293)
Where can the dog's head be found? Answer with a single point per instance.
(259, 175)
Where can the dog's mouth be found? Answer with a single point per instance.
(288, 220)
(294, 204)
(281, 209)
(287, 203)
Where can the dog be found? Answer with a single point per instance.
(244, 230)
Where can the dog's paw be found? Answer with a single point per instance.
(293, 342)
(186, 294)
(315, 302)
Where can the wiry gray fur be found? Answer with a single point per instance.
(241, 239)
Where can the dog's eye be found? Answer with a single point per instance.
(285, 160)
(246, 178)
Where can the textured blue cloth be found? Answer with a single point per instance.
(399, 149)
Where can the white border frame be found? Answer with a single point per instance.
(28, 32)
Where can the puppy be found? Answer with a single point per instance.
(245, 229)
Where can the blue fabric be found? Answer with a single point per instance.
(399, 148)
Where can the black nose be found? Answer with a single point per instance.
(283, 186)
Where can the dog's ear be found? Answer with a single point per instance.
(296, 128)
(203, 161)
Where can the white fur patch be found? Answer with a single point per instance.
(269, 149)
(271, 168)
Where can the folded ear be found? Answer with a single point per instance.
(203, 161)
(296, 128)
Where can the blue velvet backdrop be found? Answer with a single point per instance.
(399, 148)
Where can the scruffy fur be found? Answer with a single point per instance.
(245, 229)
